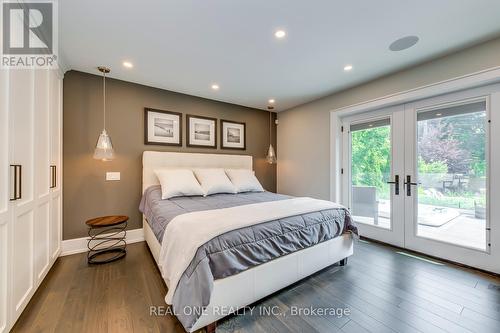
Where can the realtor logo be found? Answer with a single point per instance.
(29, 34)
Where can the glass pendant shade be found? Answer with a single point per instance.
(271, 155)
(104, 148)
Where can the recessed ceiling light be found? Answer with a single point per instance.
(403, 43)
(271, 101)
(128, 64)
(347, 68)
(215, 86)
(280, 34)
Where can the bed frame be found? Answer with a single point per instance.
(259, 281)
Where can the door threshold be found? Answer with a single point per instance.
(446, 261)
(420, 258)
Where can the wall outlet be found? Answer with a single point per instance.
(112, 176)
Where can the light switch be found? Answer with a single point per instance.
(112, 176)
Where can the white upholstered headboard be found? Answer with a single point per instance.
(152, 160)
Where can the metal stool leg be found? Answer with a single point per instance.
(106, 240)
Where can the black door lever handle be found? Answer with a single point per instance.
(396, 183)
(408, 185)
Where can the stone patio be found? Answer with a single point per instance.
(455, 226)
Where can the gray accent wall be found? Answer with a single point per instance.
(304, 131)
(86, 192)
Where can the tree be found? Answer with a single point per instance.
(458, 141)
(452, 144)
(435, 144)
(371, 163)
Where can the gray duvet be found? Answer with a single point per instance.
(240, 249)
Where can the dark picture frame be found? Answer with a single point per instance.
(225, 137)
(165, 130)
(202, 121)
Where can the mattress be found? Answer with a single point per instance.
(160, 212)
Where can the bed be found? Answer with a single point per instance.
(262, 271)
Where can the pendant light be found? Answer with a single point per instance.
(271, 154)
(104, 148)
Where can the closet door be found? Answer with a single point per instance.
(21, 142)
(55, 116)
(4, 197)
(42, 173)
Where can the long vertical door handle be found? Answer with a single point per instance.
(396, 184)
(53, 176)
(17, 190)
(13, 197)
(20, 173)
(408, 185)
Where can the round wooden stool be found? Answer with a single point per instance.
(106, 239)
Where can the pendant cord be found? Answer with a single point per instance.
(270, 131)
(104, 97)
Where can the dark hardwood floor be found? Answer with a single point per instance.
(379, 290)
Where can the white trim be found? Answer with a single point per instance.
(79, 245)
(481, 78)
(335, 159)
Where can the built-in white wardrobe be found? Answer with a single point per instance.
(30, 184)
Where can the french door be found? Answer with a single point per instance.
(420, 175)
(373, 155)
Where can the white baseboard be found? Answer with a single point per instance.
(79, 245)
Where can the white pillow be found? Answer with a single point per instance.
(244, 180)
(177, 183)
(214, 181)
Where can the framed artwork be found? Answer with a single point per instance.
(162, 127)
(201, 131)
(233, 135)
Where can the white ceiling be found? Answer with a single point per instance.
(187, 45)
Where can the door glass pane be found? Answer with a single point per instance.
(370, 172)
(452, 170)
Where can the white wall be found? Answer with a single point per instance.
(304, 132)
